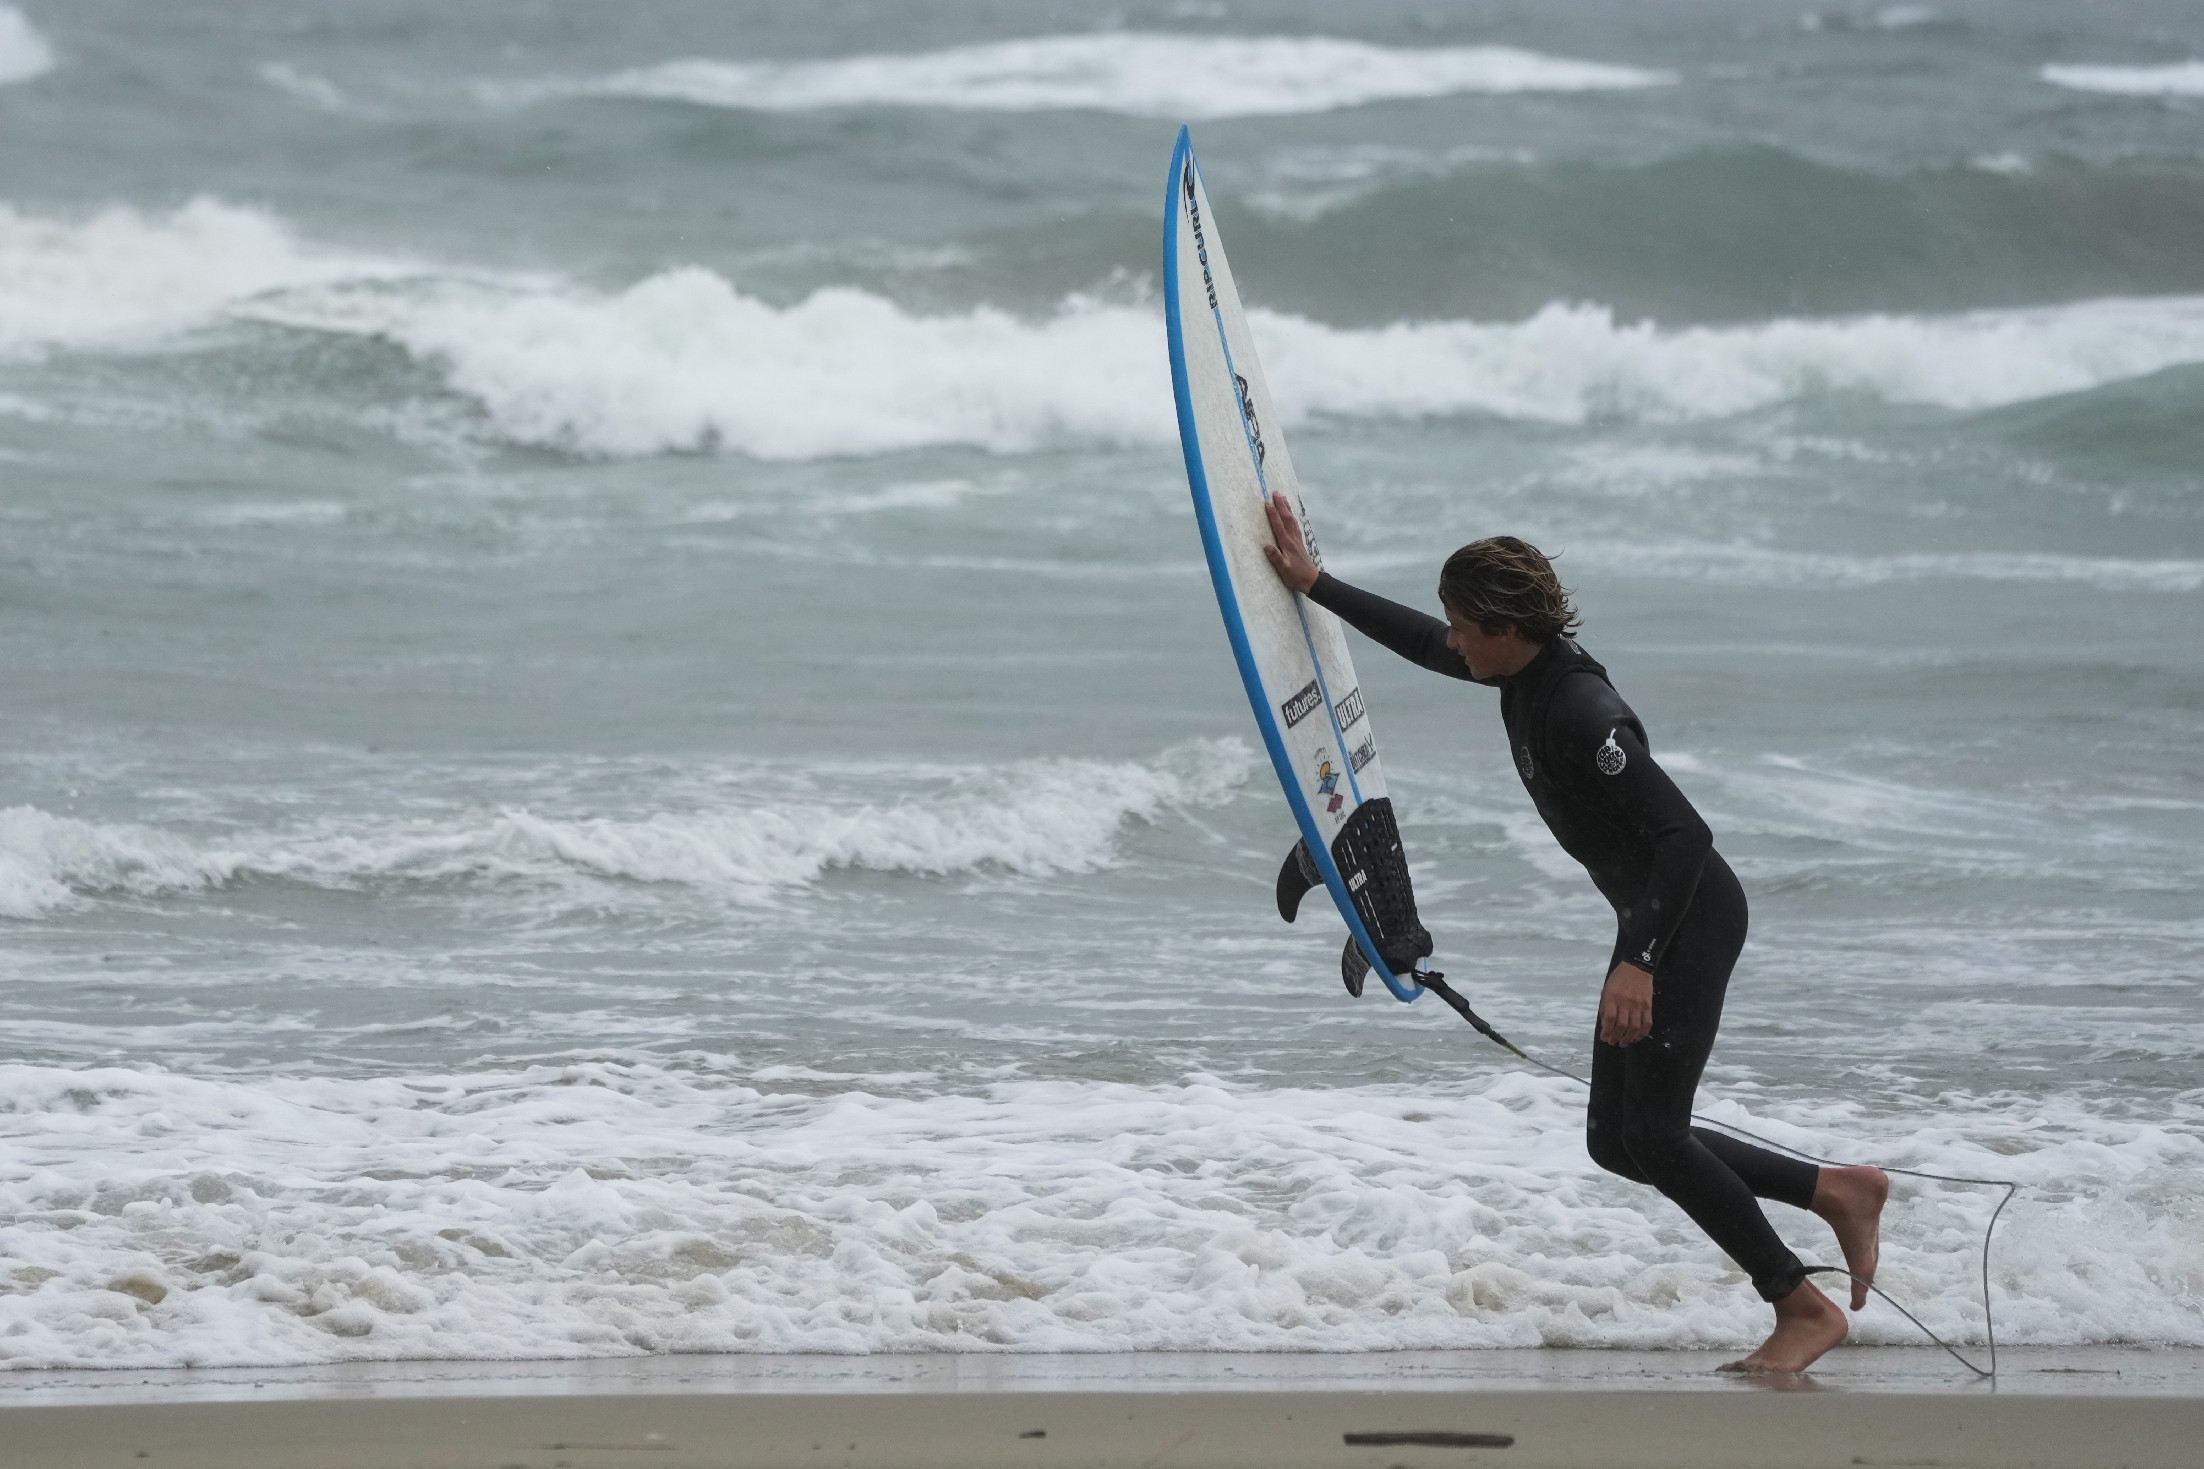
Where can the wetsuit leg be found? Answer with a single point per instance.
(1639, 1122)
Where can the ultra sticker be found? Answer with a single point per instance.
(1350, 709)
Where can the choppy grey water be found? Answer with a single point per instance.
(616, 740)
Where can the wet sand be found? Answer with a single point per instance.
(1875, 1406)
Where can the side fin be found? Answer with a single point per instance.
(1295, 879)
(1354, 967)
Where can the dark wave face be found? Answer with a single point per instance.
(1738, 234)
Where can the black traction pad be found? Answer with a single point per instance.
(1375, 868)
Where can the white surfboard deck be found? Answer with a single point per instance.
(1292, 654)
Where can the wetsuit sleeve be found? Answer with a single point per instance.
(1595, 731)
(1417, 636)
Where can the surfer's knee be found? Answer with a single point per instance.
(1604, 1141)
(1654, 1144)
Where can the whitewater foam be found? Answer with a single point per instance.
(1750, 565)
(1141, 75)
(1031, 817)
(45, 859)
(24, 53)
(684, 361)
(2182, 79)
(612, 1208)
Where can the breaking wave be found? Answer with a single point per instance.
(686, 361)
(1032, 817)
(124, 276)
(1176, 77)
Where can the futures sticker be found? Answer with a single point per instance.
(1301, 705)
(1610, 758)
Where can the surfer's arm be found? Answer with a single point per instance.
(1589, 727)
(1416, 636)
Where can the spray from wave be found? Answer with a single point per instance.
(1032, 817)
(126, 277)
(1190, 77)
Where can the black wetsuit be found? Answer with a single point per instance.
(1679, 911)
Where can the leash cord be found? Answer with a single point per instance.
(1437, 984)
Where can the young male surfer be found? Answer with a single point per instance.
(1680, 913)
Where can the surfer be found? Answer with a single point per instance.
(1679, 910)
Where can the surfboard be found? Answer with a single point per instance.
(1292, 654)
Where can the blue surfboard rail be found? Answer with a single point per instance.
(1220, 575)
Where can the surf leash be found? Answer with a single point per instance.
(1436, 983)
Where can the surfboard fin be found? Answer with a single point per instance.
(1354, 967)
(1295, 879)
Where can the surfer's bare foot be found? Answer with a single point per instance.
(1807, 1323)
(1852, 1199)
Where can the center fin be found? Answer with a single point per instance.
(1354, 967)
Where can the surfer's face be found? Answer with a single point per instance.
(1489, 655)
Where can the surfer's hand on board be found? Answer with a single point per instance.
(1626, 1006)
(1289, 553)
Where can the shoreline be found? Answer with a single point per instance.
(2052, 1407)
(2128, 1371)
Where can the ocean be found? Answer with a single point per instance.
(616, 739)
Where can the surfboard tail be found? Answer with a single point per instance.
(1374, 865)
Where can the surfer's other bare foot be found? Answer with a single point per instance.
(1807, 1323)
(1852, 1199)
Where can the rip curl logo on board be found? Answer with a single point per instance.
(1201, 246)
(1327, 781)
(1524, 765)
(1611, 758)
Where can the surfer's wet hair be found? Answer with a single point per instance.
(1500, 582)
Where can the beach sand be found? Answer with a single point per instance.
(2051, 1407)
